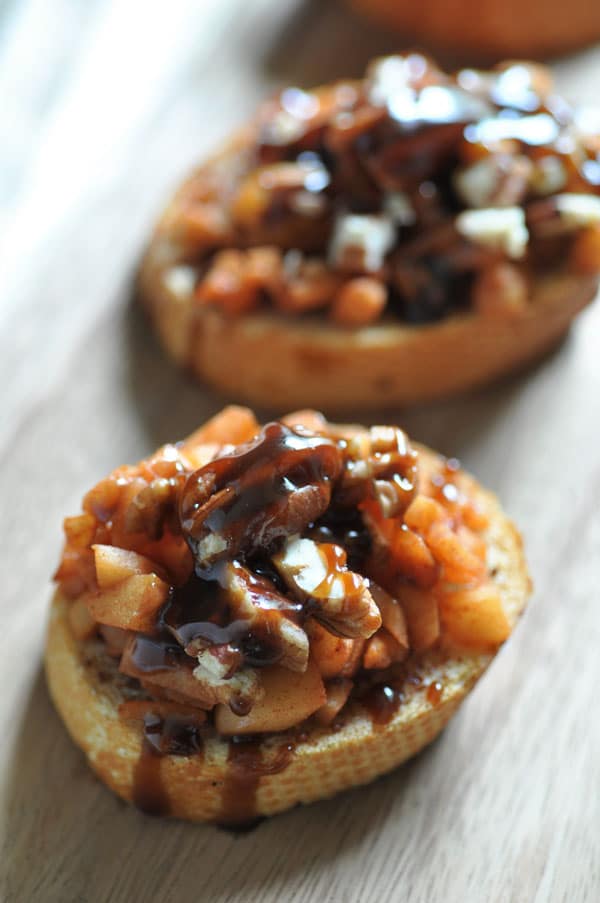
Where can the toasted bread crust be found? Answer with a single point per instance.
(87, 694)
(280, 362)
(500, 28)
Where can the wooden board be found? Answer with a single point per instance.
(104, 106)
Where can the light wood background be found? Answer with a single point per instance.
(103, 106)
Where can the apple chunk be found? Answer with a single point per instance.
(474, 617)
(333, 655)
(114, 565)
(234, 424)
(290, 697)
(131, 604)
(422, 616)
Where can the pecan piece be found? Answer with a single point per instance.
(256, 600)
(168, 669)
(317, 571)
(259, 494)
(380, 464)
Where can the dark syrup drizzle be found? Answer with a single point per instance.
(434, 693)
(246, 765)
(382, 702)
(175, 736)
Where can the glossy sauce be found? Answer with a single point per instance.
(247, 763)
(434, 693)
(200, 613)
(259, 495)
(338, 580)
(382, 702)
(150, 654)
(175, 736)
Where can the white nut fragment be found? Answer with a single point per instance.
(302, 564)
(548, 176)
(390, 75)
(500, 228)
(211, 546)
(243, 687)
(180, 280)
(361, 241)
(496, 181)
(578, 210)
(475, 184)
(538, 130)
(212, 665)
(398, 207)
(345, 602)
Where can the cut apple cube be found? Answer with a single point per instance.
(474, 617)
(132, 604)
(231, 426)
(381, 651)
(114, 565)
(289, 697)
(337, 692)
(333, 655)
(392, 615)
(81, 621)
(422, 617)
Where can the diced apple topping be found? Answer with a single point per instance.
(334, 655)
(422, 617)
(289, 697)
(114, 565)
(392, 616)
(381, 650)
(318, 571)
(131, 604)
(231, 426)
(260, 572)
(474, 617)
(81, 621)
(138, 709)
(337, 692)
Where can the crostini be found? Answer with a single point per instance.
(259, 617)
(381, 242)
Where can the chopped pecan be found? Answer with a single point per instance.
(360, 242)
(255, 600)
(169, 669)
(258, 495)
(380, 464)
(500, 180)
(317, 571)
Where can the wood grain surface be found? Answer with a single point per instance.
(104, 104)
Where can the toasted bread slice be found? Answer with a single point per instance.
(281, 362)
(287, 769)
(538, 28)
